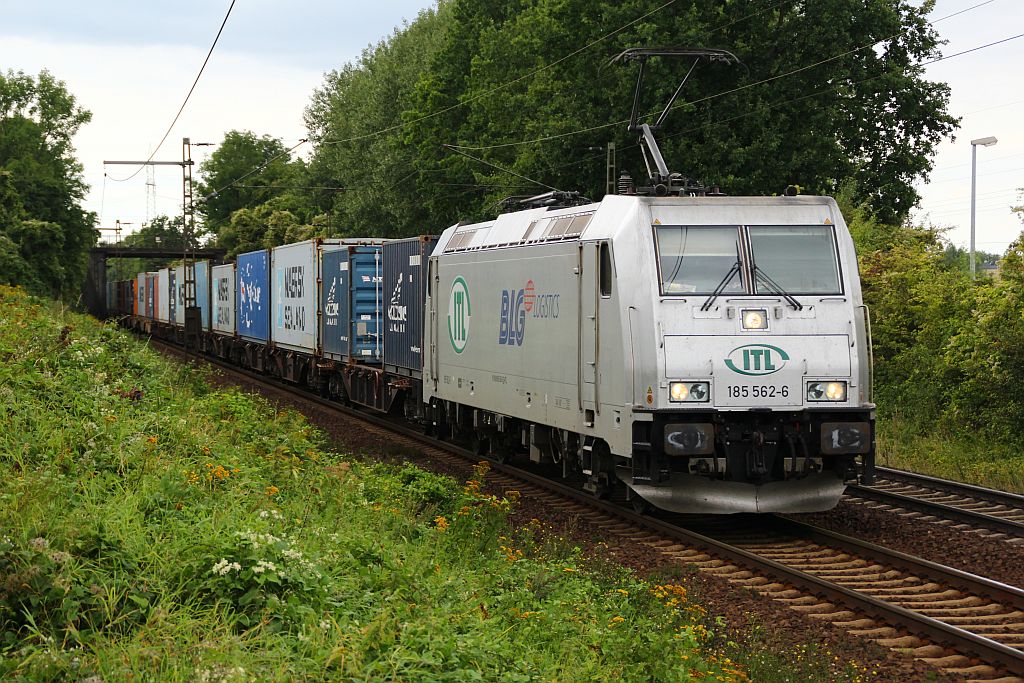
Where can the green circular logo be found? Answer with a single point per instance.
(756, 359)
(459, 314)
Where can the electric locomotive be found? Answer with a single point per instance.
(710, 352)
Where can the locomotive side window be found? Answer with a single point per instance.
(606, 270)
(696, 259)
(801, 259)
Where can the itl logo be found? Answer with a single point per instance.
(756, 359)
(459, 314)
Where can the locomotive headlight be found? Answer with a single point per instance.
(755, 319)
(699, 391)
(826, 391)
(690, 392)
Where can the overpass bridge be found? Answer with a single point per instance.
(94, 293)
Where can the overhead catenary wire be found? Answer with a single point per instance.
(185, 102)
(506, 84)
(504, 170)
(988, 160)
(258, 169)
(959, 200)
(478, 96)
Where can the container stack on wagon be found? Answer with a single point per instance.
(202, 271)
(405, 286)
(351, 303)
(223, 296)
(341, 316)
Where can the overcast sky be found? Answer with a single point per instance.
(131, 63)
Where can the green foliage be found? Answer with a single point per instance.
(947, 350)
(161, 232)
(44, 232)
(247, 171)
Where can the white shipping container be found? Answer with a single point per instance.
(294, 274)
(179, 295)
(223, 295)
(163, 287)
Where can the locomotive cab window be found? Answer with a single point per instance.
(698, 259)
(802, 259)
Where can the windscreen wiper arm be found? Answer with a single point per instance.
(722, 285)
(776, 288)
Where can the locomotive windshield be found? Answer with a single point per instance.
(797, 259)
(801, 259)
(695, 260)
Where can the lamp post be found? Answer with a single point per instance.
(984, 142)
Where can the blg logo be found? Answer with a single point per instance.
(756, 359)
(459, 314)
(512, 325)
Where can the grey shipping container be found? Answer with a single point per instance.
(405, 286)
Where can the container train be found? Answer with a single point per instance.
(711, 354)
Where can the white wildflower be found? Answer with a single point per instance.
(262, 566)
(223, 567)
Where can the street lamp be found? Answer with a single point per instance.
(984, 142)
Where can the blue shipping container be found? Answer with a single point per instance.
(405, 280)
(252, 309)
(203, 291)
(352, 303)
(334, 304)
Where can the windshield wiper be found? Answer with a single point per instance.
(776, 288)
(722, 285)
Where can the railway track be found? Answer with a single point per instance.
(996, 513)
(965, 625)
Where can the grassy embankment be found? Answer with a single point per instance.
(151, 525)
(957, 456)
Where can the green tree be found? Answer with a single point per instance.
(376, 171)
(46, 232)
(243, 172)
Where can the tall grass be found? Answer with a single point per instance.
(958, 456)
